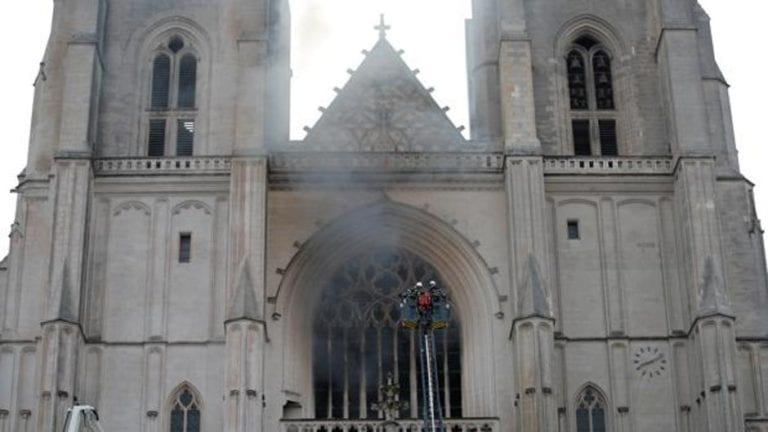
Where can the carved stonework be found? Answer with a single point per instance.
(384, 108)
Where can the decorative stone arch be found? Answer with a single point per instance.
(589, 25)
(601, 395)
(469, 283)
(143, 47)
(612, 43)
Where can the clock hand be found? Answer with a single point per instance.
(647, 362)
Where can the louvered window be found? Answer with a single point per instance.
(156, 137)
(187, 81)
(161, 81)
(582, 144)
(172, 100)
(185, 137)
(608, 144)
(591, 96)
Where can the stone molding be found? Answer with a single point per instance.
(161, 166)
(469, 162)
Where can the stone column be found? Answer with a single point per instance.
(59, 349)
(518, 116)
(533, 328)
(679, 63)
(713, 332)
(533, 339)
(245, 327)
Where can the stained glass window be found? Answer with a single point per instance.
(185, 415)
(590, 412)
(357, 341)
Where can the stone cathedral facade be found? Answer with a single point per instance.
(179, 263)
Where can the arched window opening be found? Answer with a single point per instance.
(357, 342)
(161, 80)
(590, 411)
(185, 412)
(590, 90)
(172, 112)
(187, 81)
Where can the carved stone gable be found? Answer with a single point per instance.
(384, 108)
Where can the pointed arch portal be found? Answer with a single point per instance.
(390, 240)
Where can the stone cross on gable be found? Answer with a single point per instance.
(382, 27)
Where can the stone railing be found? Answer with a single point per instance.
(409, 425)
(578, 165)
(385, 162)
(161, 166)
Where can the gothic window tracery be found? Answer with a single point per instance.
(185, 412)
(592, 99)
(172, 101)
(590, 411)
(357, 342)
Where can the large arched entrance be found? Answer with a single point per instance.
(399, 234)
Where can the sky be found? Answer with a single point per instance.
(328, 37)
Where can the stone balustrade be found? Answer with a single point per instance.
(602, 165)
(161, 166)
(406, 425)
(386, 162)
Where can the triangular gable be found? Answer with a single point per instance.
(384, 108)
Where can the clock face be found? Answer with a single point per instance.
(649, 362)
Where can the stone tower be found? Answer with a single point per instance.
(180, 264)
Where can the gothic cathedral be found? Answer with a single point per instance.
(182, 265)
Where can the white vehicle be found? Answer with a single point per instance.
(82, 418)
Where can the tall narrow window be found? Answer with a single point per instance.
(590, 411)
(187, 81)
(156, 145)
(172, 100)
(185, 136)
(185, 412)
(357, 343)
(592, 106)
(185, 247)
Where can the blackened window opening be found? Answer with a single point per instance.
(581, 141)
(185, 247)
(161, 81)
(573, 230)
(187, 81)
(608, 142)
(357, 341)
(156, 145)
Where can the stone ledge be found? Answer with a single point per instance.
(386, 162)
(599, 165)
(161, 166)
